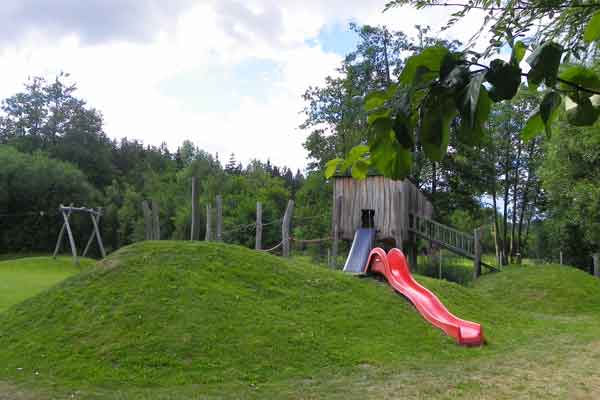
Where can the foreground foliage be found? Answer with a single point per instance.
(438, 86)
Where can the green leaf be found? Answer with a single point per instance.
(471, 99)
(449, 62)
(375, 99)
(403, 131)
(548, 108)
(472, 132)
(375, 115)
(544, 62)
(505, 79)
(582, 76)
(382, 125)
(378, 98)
(360, 169)
(400, 166)
(331, 167)
(582, 113)
(437, 112)
(427, 63)
(355, 153)
(592, 30)
(390, 157)
(533, 127)
(518, 52)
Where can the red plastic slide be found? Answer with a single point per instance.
(395, 269)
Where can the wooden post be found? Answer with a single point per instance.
(440, 271)
(208, 236)
(148, 232)
(71, 238)
(156, 220)
(477, 248)
(560, 259)
(61, 234)
(399, 230)
(285, 228)
(195, 228)
(596, 258)
(337, 212)
(90, 240)
(259, 227)
(97, 233)
(219, 218)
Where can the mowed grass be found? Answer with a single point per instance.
(177, 320)
(24, 277)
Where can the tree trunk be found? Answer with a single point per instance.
(497, 239)
(433, 179)
(385, 55)
(524, 198)
(514, 199)
(505, 211)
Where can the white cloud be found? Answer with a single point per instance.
(123, 78)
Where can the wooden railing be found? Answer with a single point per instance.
(462, 243)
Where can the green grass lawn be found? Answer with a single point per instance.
(24, 277)
(180, 320)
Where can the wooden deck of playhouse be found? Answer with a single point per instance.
(401, 213)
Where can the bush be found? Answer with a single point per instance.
(32, 188)
(454, 269)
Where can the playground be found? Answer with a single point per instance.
(215, 320)
(218, 320)
(300, 200)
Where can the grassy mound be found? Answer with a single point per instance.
(204, 318)
(25, 277)
(548, 289)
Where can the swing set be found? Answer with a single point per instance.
(95, 215)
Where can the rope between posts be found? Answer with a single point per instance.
(278, 245)
(310, 240)
(29, 213)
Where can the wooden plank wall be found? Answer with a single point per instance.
(377, 193)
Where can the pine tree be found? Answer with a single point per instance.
(231, 166)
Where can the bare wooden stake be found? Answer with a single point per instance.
(208, 236)
(286, 229)
(596, 258)
(560, 260)
(219, 200)
(155, 220)
(148, 232)
(195, 229)
(259, 227)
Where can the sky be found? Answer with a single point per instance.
(227, 75)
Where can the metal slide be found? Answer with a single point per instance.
(394, 267)
(364, 239)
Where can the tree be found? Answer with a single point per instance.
(510, 179)
(439, 86)
(571, 177)
(33, 187)
(47, 116)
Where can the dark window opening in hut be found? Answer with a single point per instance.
(368, 218)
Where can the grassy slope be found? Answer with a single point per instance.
(227, 321)
(25, 277)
